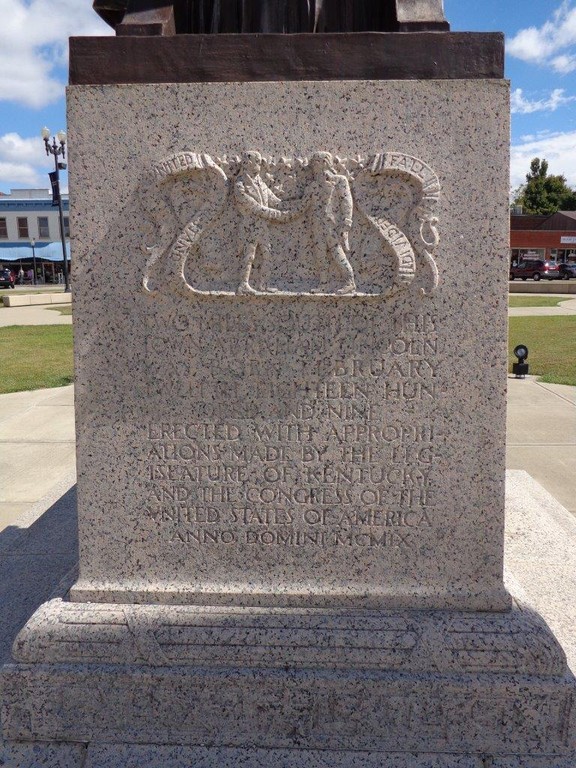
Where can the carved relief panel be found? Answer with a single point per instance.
(307, 226)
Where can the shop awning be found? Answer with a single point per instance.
(23, 251)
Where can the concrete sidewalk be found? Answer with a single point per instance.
(49, 315)
(37, 444)
(39, 544)
(541, 435)
(44, 314)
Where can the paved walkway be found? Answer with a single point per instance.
(39, 548)
(49, 314)
(44, 314)
(541, 437)
(37, 445)
(567, 306)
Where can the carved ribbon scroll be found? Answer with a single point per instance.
(410, 245)
(328, 212)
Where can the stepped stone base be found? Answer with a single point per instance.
(291, 687)
(148, 756)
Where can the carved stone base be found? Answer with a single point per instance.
(437, 683)
(152, 756)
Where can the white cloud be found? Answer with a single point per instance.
(14, 146)
(553, 44)
(22, 175)
(23, 161)
(34, 43)
(523, 106)
(564, 64)
(559, 149)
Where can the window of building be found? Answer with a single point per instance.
(43, 228)
(526, 254)
(66, 226)
(566, 255)
(530, 254)
(3, 229)
(22, 227)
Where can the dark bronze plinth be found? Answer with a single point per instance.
(224, 58)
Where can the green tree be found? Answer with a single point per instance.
(543, 193)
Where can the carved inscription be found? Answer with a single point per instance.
(339, 469)
(405, 368)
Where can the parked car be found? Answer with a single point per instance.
(567, 271)
(6, 279)
(536, 270)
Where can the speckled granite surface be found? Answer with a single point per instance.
(296, 445)
(533, 518)
(290, 432)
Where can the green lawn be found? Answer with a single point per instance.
(551, 343)
(35, 356)
(535, 301)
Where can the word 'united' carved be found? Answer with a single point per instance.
(318, 226)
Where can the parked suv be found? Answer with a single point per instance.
(536, 269)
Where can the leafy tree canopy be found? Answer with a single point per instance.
(544, 194)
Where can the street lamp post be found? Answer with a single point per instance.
(33, 246)
(57, 151)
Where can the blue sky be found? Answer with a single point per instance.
(540, 62)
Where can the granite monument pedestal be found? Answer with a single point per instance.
(290, 325)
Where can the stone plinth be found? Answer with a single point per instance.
(290, 324)
(296, 445)
(392, 682)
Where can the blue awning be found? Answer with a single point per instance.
(23, 251)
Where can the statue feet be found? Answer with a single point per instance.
(347, 289)
(245, 289)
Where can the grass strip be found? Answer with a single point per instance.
(536, 301)
(35, 357)
(551, 343)
(30, 291)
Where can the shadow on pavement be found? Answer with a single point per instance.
(33, 563)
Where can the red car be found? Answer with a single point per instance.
(537, 270)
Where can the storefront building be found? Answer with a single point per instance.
(30, 234)
(551, 238)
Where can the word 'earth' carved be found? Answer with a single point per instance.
(317, 226)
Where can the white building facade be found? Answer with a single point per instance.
(30, 232)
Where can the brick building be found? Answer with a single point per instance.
(552, 238)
